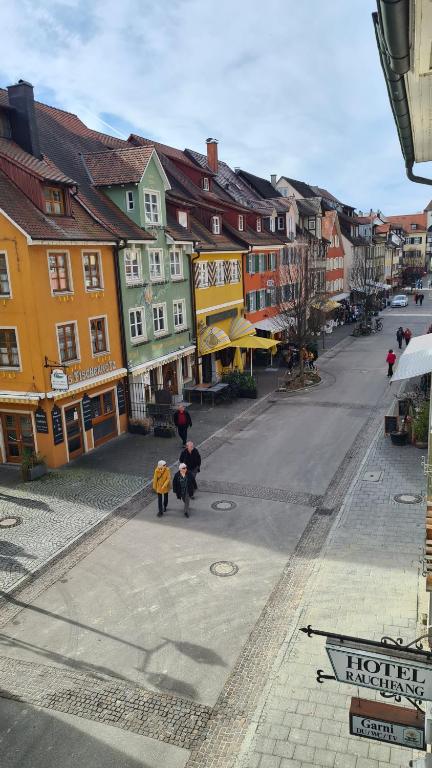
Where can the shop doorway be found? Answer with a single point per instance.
(18, 435)
(104, 417)
(207, 369)
(169, 377)
(74, 430)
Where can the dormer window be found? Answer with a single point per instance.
(413, 226)
(215, 225)
(182, 218)
(130, 200)
(54, 201)
(206, 184)
(280, 222)
(258, 225)
(272, 224)
(241, 223)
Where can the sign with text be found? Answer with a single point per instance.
(388, 669)
(41, 420)
(385, 722)
(59, 380)
(121, 400)
(57, 425)
(87, 412)
(90, 373)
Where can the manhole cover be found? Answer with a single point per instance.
(408, 498)
(10, 522)
(224, 568)
(223, 505)
(372, 477)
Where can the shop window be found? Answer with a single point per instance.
(59, 272)
(103, 417)
(9, 354)
(67, 342)
(54, 201)
(92, 271)
(98, 333)
(4, 276)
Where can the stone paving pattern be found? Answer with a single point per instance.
(365, 584)
(113, 702)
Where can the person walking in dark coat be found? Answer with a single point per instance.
(191, 457)
(390, 359)
(407, 336)
(416, 297)
(421, 298)
(400, 336)
(183, 421)
(184, 486)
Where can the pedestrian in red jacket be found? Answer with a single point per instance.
(390, 359)
(407, 335)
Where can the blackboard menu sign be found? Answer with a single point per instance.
(391, 424)
(57, 425)
(121, 398)
(41, 420)
(87, 412)
(404, 407)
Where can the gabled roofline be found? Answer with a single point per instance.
(166, 183)
(20, 229)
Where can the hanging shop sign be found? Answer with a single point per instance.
(57, 425)
(87, 412)
(59, 380)
(121, 400)
(385, 722)
(395, 671)
(89, 373)
(41, 420)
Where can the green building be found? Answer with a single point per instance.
(154, 277)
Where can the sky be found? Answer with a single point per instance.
(292, 87)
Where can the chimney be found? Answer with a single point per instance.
(273, 178)
(24, 126)
(212, 154)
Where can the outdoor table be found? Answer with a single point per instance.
(214, 390)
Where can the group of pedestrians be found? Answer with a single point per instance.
(402, 335)
(419, 298)
(184, 482)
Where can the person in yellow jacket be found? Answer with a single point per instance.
(162, 484)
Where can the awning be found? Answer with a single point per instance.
(326, 306)
(212, 339)
(416, 359)
(253, 342)
(340, 297)
(240, 327)
(275, 324)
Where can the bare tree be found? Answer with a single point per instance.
(300, 293)
(366, 275)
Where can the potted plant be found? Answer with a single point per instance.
(421, 426)
(400, 437)
(140, 426)
(242, 384)
(32, 465)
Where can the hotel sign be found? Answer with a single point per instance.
(387, 723)
(90, 373)
(391, 670)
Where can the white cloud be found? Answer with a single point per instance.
(289, 87)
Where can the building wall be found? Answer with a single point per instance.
(262, 282)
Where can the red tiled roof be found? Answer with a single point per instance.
(382, 229)
(171, 152)
(43, 169)
(118, 166)
(405, 220)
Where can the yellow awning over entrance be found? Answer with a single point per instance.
(241, 327)
(326, 306)
(253, 342)
(212, 339)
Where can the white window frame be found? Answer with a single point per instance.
(161, 277)
(130, 200)
(182, 215)
(251, 303)
(53, 252)
(262, 295)
(6, 295)
(272, 224)
(150, 218)
(279, 220)
(206, 184)
(262, 259)
(241, 222)
(172, 252)
(134, 279)
(182, 304)
(215, 225)
(77, 342)
(143, 336)
(258, 225)
(16, 368)
(163, 332)
(203, 269)
(219, 272)
(272, 261)
(107, 339)
(235, 271)
(83, 253)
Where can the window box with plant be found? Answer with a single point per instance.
(32, 465)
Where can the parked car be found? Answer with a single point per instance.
(400, 301)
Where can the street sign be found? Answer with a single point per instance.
(389, 669)
(385, 722)
(59, 380)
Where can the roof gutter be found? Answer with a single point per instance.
(391, 25)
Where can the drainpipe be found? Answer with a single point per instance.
(122, 322)
(193, 305)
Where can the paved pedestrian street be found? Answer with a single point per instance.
(175, 642)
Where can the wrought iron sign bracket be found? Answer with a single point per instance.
(52, 364)
(397, 697)
(414, 647)
(321, 676)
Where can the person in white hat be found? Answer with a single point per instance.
(162, 484)
(183, 486)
